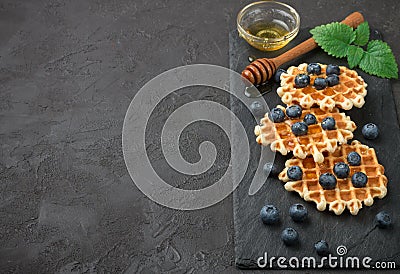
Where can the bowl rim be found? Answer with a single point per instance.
(268, 40)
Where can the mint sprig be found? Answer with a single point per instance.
(340, 40)
(362, 34)
(354, 55)
(334, 38)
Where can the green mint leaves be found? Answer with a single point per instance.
(340, 40)
(354, 55)
(362, 34)
(334, 38)
(379, 60)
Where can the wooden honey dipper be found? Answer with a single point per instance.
(262, 69)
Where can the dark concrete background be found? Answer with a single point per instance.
(68, 71)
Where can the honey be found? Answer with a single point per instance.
(275, 29)
(268, 25)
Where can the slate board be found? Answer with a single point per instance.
(357, 233)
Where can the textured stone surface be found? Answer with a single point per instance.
(357, 233)
(68, 71)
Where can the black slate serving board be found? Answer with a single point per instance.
(357, 233)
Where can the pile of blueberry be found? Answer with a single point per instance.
(341, 170)
(332, 77)
(270, 215)
(277, 115)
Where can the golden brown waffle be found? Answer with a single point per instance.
(345, 194)
(317, 140)
(350, 91)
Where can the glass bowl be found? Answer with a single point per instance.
(268, 25)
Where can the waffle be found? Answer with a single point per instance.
(350, 91)
(344, 195)
(318, 140)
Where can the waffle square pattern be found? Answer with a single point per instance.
(345, 195)
(350, 91)
(317, 140)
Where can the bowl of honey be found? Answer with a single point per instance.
(268, 25)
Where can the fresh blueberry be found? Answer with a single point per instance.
(310, 119)
(269, 214)
(332, 80)
(383, 219)
(294, 111)
(359, 179)
(301, 80)
(320, 83)
(290, 236)
(277, 76)
(276, 167)
(277, 115)
(299, 128)
(332, 69)
(328, 123)
(354, 159)
(272, 169)
(298, 212)
(257, 108)
(327, 181)
(294, 173)
(370, 131)
(341, 170)
(314, 68)
(322, 248)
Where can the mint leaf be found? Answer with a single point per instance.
(354, 55)
(362, 34)
(379, 60)
(334, 38)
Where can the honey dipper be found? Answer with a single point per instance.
(263, 69)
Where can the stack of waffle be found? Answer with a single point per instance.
(319, 150)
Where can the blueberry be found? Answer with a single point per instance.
(299, 128)
(276, 167)
(269, 214)
(271, 169)
(314, 68)
(322, 248)
(310, 119)
(277, 76)
(328, 123)
(359, 179)
(370, 131)
(277, 115)
(290, 236)
(320, 83)
(341, 170)
(294, 173)
(257, 108)
(301, 80)
(294, 111)
(332, 80)
(327, 181)
(354, 159)
(383, 219)
(332, 69)
(298, 212)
